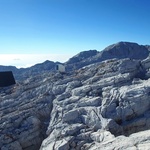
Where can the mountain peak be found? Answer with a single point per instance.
(125, 50)
(82, 56)
(121, 44)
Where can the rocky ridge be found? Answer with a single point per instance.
(104, 105)
(24, 73)
(118, 50)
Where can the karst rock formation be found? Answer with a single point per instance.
(101, 102)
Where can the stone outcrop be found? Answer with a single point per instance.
(24, 114)
(105, 140)
(109, 103)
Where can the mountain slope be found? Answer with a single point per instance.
(125, 50)
(82, 56)
(119, 50)
(24, 73)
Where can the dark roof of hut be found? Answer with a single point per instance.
(6, 79)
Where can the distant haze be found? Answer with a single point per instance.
(27, 60)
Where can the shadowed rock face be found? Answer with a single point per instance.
(125, 50)
(103, 105)
(82, 56)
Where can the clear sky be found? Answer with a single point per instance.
(63, 28)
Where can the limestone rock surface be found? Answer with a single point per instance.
(110, 104)
(104, 105)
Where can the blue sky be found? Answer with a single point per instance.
(67, 27)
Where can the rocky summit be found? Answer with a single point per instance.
(103, 105)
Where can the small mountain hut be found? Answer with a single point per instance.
(61, 68)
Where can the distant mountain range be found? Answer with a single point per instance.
(115, 51)
(119, 50)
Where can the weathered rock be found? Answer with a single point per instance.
(106, 104)
(24, 112)
(135, 141)
(88, 109)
